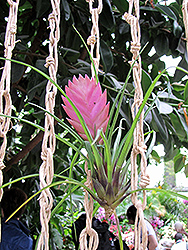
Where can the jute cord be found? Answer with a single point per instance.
(88, 231)
(139, 146)
(93, 39)
(5, 97)
(46, 171)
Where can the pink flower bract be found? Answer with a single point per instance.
(87, 96)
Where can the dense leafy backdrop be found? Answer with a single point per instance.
(162, 28)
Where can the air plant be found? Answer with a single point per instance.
(87, 108)
(107, 162)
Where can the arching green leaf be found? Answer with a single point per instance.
(166, 11)
(179, 161)
(106, 56)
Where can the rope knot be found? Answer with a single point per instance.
(96, 62)
(44, 156)
(136, 65)
(10, 2)
(5, 93)
(135, 47)
(51, 16)
(139, 206)
(91, 40)
(2, 132)
(49, 61)
(128, 17)
(13, 29)
(93, 239)
(145, 181)
(2, 165)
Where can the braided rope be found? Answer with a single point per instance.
(139, 146)
(185, 19)
(88, 205)
(5, 97)
(46, 171)
(93, 39)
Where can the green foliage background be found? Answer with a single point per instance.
(161, 27)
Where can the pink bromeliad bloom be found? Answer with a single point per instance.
(87, 96)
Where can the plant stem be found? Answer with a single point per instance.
(119, 231)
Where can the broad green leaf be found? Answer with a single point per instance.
(179, 161)
(146, 81)
(178, 86)
(159, 124)
(161, 44)
(165, 95)
(177, 29)
(180, 126)
(154, 70)
(106, 17)
(178, 73)
(166, 11)
(70, 54)
(124, 28)
(25, 6)
(186, 94)
(56, 236)
(36, 89)
(67, 11)
(122, 5)
(176, 8)
(163, 107)
(170, 151)
(152, 143)
(106, 56)
(17, 71)
(156, 24)
(42, 7)
(186, 170)
(155, 156)
(62, 68)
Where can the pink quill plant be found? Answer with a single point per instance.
(92, 105)
(88, 98)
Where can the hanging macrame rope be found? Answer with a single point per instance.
(185, 19)
(48, 146)
(88, 205)
(139, 146)
(5, 98)
(93, 39)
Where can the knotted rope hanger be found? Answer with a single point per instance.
(46, 171)
(5, 97)
(139, 146)
(93, 41)
(88, 205)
